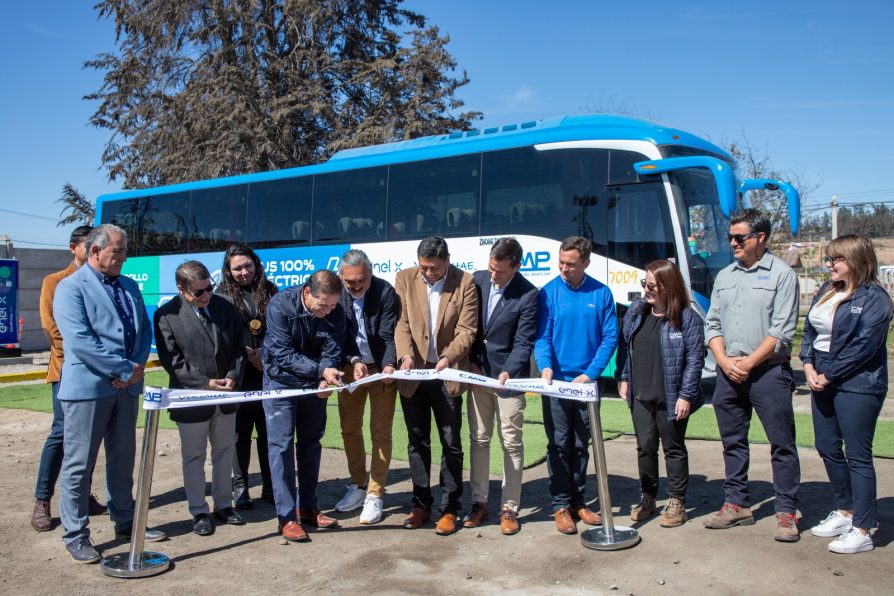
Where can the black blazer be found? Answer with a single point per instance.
(381, 308)
(191, 356)
(505, 344)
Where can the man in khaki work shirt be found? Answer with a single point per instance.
(437, 325)
(51, 455)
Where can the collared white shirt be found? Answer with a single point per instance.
(362, 341)
(434, 301)
(496, 294)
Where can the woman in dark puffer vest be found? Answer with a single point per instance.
(846, 366)
(660, 358)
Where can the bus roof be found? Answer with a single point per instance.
(551, 130)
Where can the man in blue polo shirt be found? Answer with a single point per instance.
(577, 333)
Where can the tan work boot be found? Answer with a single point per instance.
(674, 513)
(645, 509)
(729, 516)
(786, 528)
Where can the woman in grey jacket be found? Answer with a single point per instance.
(660, 359)
(846, 366)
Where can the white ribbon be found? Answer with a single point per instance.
(160, 398)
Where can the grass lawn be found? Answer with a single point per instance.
(614, 413)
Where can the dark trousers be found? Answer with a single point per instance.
(767, 391)
(251, 416)
(431, 398)
(650, 423)
(51, 455)
(567, 426)
(304, 419)
(840, 416)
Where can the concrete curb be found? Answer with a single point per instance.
(37, 375)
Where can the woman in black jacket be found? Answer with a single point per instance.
(660, 359)
(846, 365)
(244, 283)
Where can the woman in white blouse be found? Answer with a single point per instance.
(845, 362)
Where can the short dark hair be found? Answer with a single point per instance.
(583, 246)
(323, 282)
(79, 234)
(191, 271)
(507, 249)
(757, 221)
(433, 247)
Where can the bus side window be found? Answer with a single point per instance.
(349, 206)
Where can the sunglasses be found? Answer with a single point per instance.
(648, 286)
(832, 260)
(201, 292)
(741, 238)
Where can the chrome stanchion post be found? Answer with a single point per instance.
(609, 536)
(140, 563)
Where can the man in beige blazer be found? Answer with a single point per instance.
(438, 301)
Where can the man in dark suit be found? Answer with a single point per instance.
(437, 325)
(507, 329)
(199, 340)
(303, 348)
(107, 336)
(371, 308)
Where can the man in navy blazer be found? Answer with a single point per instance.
(507, 329)
(107, 335)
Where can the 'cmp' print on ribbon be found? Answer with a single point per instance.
(159, 398)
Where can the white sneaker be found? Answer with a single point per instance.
(352, 500)
(835, 524)
(372, 510)
(854, 541)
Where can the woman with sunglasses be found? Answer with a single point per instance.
(660, 359)
(244, 283)
(845, 362)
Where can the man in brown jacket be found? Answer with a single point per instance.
(436, 329)
(51, 456)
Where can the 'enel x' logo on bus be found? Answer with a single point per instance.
(535, 261)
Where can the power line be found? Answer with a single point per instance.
(55, 244)
(28, 215)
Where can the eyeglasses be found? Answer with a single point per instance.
(201, 292)
(741, 238)
(648, 286)
(832, 260)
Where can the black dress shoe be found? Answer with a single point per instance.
(202, 525)
(241, 498)
(229, 516)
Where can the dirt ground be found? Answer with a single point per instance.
(388, 559)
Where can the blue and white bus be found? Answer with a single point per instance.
(638, 190)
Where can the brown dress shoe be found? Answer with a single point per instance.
(564, 523)
(477, 515)
(316, 518)
(416, 518)
(293, 532)
(509, 522)
(94, 507)
(41, 519)
(583, 513)
(446, 525)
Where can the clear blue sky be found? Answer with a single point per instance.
(810, 81)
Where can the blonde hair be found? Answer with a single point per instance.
(860, 256)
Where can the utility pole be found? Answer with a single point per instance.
(834, 217)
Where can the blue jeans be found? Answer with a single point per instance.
(848, 418)
(51, 456)
(88, 423)
(768, 392)
(287, 417)
(567, 425)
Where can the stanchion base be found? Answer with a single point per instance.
(623, 537)
(118, 565)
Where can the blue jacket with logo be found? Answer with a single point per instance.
(858, 359)
(682, 352)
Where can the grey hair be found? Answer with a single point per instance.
(101, 236)
(354, 258)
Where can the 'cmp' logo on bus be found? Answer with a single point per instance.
(535, 261)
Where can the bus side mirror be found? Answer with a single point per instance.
(791, 194)
(724, 178)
